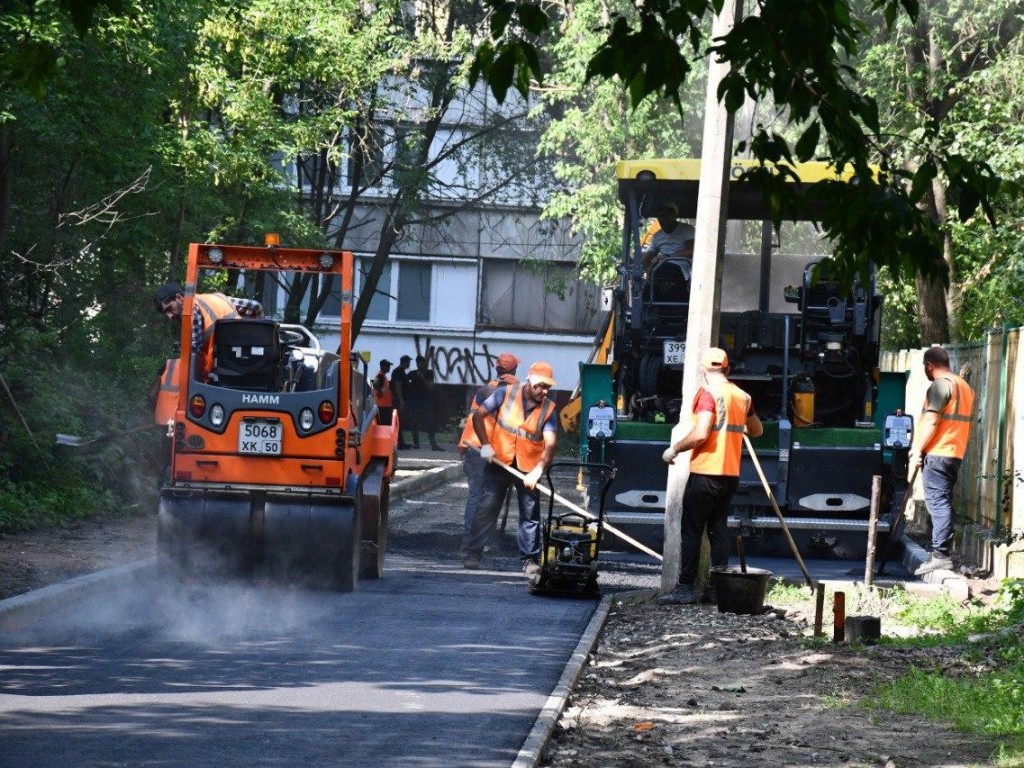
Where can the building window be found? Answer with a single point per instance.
(414, 291)
(403, 291)
(546, 296)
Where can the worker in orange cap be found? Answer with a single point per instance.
(524, 437)
(469, 445)
(722, 412)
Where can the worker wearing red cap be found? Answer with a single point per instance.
(722, 412)
(524, 437)
(469, 444)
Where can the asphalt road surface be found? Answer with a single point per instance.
(430, 666)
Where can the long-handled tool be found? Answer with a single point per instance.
(778, 512)
(581, 511)
(896, 529)
(74, 441)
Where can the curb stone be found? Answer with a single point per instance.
(914, 555)
(532, 751)
(31, 606)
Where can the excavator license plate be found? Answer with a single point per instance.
(260, 436)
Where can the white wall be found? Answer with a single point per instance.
(459, 358)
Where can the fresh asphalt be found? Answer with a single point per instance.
(430, 666)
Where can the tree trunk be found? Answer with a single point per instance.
(931, 311)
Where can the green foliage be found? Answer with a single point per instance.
(592, 126)
(989, 702)
(69, 389)
(802, 60)
(941, 613)
(992, 704)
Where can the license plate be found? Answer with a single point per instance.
(674, 352)
(261, 437)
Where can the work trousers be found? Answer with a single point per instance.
(421, 417)
(939, 475)
(706, 502)
(495, 486)
(473, 468)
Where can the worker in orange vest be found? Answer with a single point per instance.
(469, 444)
(207, 309)
(722, 412)
(939, 448)
(382, 395)
(524, 437)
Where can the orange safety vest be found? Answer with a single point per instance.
(954, 427)
(167, 396)
(720, 453)
(212, 307)
(382, 397)
(517, 436)
(468, 437)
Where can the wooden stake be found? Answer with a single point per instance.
(839, 617)
(869, 562)
(819, 608)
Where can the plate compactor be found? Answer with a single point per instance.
(570, 541)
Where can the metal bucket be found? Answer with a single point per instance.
(740, 592)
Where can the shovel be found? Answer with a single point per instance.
(74, 441)
(579, 510)
(896, 529)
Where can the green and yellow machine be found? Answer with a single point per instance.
(801, 344)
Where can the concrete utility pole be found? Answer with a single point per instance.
(706, 282)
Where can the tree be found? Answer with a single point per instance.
(355, 109)
(927, 74)
(591, 126)
(800, 58)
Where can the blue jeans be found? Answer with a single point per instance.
(939, 475)
(473, 468)
(496, 483)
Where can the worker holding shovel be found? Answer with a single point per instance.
(722, 413)
(524, 437)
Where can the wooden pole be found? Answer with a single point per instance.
(706, 279)
(819, 608)
(869, 561)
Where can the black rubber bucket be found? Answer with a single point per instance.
(740, 592)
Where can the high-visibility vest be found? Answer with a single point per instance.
(167, 395)
(382, 397)
(954, 427)
(212, 307)
(720, 453)
(517, 436)
(468, 437)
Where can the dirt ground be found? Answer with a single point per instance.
(689, 686)
(679, 685)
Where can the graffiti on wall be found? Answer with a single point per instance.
(457, 365)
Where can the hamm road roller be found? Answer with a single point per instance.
(279, 462)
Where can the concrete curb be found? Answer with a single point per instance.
(532, 751)
(31, 606)
(425, 481)
(23, 609)
(914, 555)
